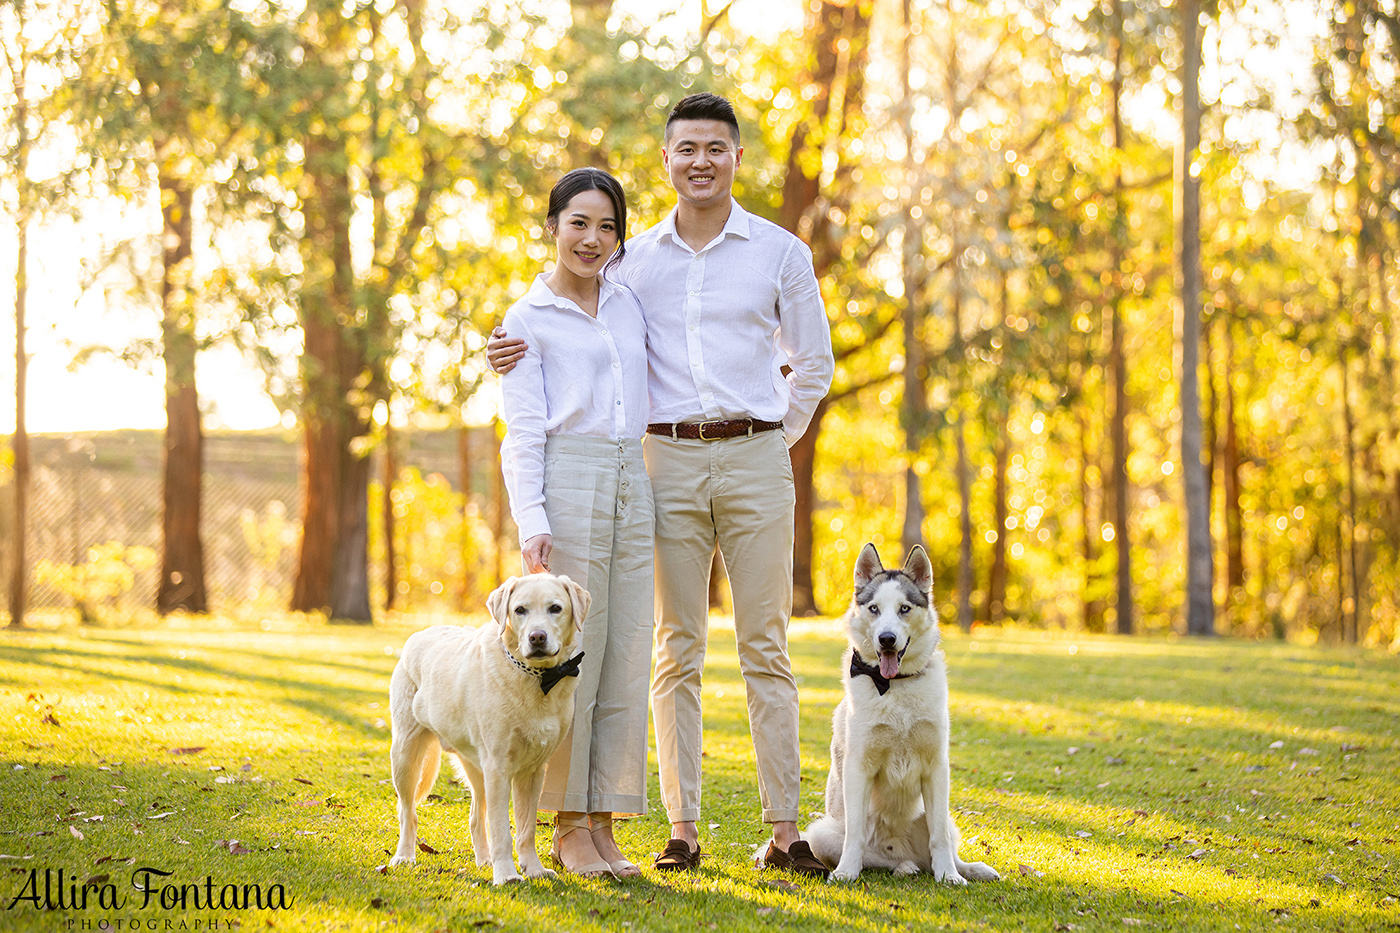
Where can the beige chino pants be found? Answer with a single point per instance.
(737, 492)
(598, 500)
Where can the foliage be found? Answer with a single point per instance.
(448, 123)
(1194, 787)
(97, 583)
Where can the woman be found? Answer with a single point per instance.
(576, 409)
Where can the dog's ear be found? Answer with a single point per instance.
(920, 568)
(867, 565)
(499, 601)
(580, 600)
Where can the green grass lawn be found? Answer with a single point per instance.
(1163, 784)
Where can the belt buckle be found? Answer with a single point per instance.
(700, 429)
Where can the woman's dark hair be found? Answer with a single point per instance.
(705, 106)
(590, 179)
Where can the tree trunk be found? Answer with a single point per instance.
(19, 567)
(1200, 605)
(913, 408)
(996, 578)
(391, 474)
(1117, 357)
(499, 509)
(1089, 534)
(1230, 482)
(838, 36)
(19, 570)
(1349, 446)
(468, 553)
(333, 569)
(803, 455)
(182, 559)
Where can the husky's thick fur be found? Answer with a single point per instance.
(887, 792)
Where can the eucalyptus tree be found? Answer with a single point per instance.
(1357, 112)
(159, 94)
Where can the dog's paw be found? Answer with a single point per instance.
(948, 876)
(906, 868)
(401, 860)
(843, 874)
(539, 871)
(978, 871)
(505, 876)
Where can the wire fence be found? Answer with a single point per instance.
(98, 498)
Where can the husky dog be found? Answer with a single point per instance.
(887, 792)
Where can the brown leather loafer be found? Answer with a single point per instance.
(798, 859)
(677, 857)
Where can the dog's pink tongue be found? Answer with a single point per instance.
(889, 664)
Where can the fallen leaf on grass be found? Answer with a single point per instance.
(233, 845)
(1083, 834)
(96, 880)
(1134, 922)
(77, 833)
(1198, 854)
(192, 750)
(486, 922)
(783, 883)
(1031, 870)
(1062, 927)
(58, 777)
(764, 911)
(376, 902)
(93, 819)
(1334, 878)
(302, 780)
(424, 847)
(161, 816)
(51, 720)
(16, 856)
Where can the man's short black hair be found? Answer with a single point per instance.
(705, 106)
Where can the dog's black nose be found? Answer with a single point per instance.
(538, 639)
(887, 642)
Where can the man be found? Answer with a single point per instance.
(728, 298)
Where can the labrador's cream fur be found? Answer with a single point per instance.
(888, 788)
(454, 690)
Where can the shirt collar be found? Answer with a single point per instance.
(737, 224)
(541, 295)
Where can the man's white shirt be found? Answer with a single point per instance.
(723, 320)
(580, 376)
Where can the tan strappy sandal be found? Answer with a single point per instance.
(562, 829)
(622, 868)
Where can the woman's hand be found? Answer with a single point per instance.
(535, 551)
(503, 352)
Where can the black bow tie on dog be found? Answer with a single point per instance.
(882, 683)
(550, 676)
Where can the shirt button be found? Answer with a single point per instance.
(692, 327)
(616, 365)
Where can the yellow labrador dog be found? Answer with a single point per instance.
(499, 699)
(887, 792)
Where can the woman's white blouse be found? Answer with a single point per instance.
(580, 375)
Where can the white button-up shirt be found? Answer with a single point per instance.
(580, 375)
(722, 320)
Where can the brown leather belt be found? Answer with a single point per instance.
(714, 430)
